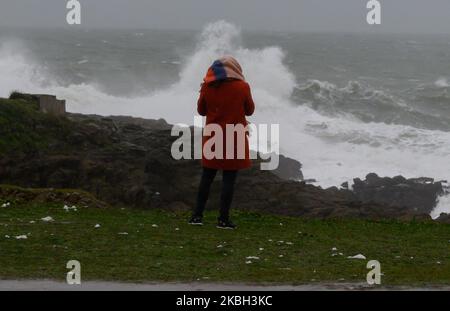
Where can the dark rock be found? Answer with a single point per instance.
(289, 169)
(417, 194)
(333, 189)
(372, 179)
(399, 180)
(444, 218)
(357, 183)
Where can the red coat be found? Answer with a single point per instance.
(228, 103)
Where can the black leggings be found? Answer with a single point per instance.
(228, 180)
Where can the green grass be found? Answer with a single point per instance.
(24, 129)
(208, 254)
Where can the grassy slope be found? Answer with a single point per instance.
(18, 122)
(150, 253)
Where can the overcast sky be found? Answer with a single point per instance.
(410, 16)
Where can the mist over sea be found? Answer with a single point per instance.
(347, 104)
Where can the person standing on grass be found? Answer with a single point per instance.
(225, 99)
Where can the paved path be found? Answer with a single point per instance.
(44, 285)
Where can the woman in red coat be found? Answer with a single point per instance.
(225, 100)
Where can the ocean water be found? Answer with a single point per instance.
(347, 104)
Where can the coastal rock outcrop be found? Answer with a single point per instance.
(419, 194)
(127, 161)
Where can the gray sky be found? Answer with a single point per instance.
(410, 16)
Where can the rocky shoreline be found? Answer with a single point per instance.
(127, 161)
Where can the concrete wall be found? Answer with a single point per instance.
(49, 104)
